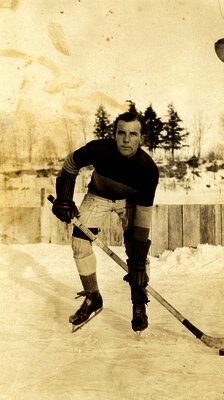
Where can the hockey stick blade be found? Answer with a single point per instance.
(217, 343)
(206, 339)
(210, 341)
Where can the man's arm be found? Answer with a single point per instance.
(64, 207)
(69, 167)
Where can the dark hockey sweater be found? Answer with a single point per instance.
(116, 176)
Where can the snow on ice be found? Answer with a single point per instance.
(41, 359)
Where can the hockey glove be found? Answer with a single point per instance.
(65, 210)
(64, 207)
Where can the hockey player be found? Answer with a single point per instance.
(124, 180)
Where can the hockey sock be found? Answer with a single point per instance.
(89, 283)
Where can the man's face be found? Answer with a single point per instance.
(128, 137)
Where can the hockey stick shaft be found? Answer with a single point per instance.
(208, 340)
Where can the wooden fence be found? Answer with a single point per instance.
(172, 226)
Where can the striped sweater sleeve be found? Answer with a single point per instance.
(69, 167)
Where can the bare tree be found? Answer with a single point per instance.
(49, 150)
(2, 142)
(31, 133)
(221, 117)
(200, 128)
(26, 130)
(68, 133)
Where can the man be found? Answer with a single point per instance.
(124, 180)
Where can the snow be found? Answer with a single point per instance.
(205, 188)
(105, 360)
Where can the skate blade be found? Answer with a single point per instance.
(75, 328)
(138, 334)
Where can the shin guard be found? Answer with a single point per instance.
(137, 276)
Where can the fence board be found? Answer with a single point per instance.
(27, 225)
(20, 225)
(52, 229)
(191, 225)
(172, 226)
(207, 231)
(218, 224)
(159, 229)
(222, 223)
(175, 226)
(61, 232)
(46, 225)
(6, 225)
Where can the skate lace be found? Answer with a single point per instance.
(84, 306)
(139, 310)
(80, 294)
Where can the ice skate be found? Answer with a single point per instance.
(93, 303)
(140, 320)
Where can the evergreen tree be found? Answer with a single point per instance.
(131, 106)
(154, 128)
(102, 127)
(174, 134)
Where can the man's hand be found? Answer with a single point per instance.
(65, 210)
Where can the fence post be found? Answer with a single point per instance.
(42, 197)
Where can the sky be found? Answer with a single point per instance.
(67, 57)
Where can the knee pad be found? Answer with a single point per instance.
(81, 248)
(86, 266)
(81, 244)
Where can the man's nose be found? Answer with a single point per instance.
(126, 138)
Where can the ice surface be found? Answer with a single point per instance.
(41, 359)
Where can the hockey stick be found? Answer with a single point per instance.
(206, 339)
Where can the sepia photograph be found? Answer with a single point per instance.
(112, 199)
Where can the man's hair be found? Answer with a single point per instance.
(128, 117)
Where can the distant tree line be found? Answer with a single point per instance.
(169, 135)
